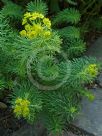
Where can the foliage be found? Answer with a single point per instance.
(69, 31)
(2, 84)
(12, 10)
(40, 7)
(69, 15)
(74, 47)
(41, 63)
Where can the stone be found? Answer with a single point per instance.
(31, 130)
(90, 118)
(99, 80)
(68, 134)
(64, 133)
(3, 131)
(3, 105)
(95, 50)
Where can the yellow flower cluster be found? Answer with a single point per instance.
(35, 25)
(90, 96)
(92, 70)
(22, 107)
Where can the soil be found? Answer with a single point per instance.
(8, 123)
(91, 37)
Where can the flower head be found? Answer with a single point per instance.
(18, 101)
(17, 110)
(47, 34)
(35, 25)
(32, 34)
(38, 28)
(21, 107)
(47, 22)
(27, 15)
(92, 70)
(24, 21)
(23, 33)
(27, 27)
